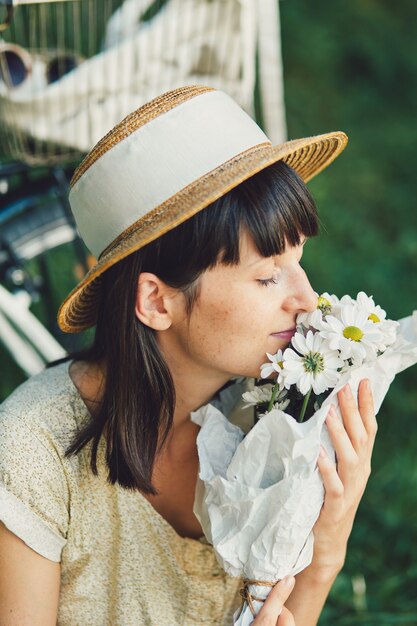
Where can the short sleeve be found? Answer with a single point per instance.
(34, 495)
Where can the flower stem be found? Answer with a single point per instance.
(304, 407)
(273, 396)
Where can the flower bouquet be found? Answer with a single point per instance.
(340, 335)
(259, 496)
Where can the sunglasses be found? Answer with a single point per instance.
(16, 64)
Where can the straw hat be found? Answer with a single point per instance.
(162, 164)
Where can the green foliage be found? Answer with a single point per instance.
(352, 66)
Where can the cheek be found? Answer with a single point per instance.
(229, 329)
(219, 322)
(233, 329)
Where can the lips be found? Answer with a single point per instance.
(285, 334)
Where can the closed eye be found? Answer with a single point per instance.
(268, 281)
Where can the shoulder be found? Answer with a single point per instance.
(46, 406)
(37, 423)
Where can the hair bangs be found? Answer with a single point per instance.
(276, 209)
(274, 206)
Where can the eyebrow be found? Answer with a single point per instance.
(263, 258)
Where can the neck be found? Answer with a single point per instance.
(194, 385)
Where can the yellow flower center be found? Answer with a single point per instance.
(324, 304)
(353, 332)
(374, 318)
(281, 364)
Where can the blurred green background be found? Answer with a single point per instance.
(352, 65)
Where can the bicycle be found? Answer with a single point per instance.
(70, 70)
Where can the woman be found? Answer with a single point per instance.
(198, 224)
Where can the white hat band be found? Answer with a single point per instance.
(156, 161)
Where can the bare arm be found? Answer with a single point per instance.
(29, 584)
(344, 484)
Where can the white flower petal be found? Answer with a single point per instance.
(346, 299)
(309, 341)
(290, 355)
(292, 366)
(266, 370)
(319, 385)
(304, 383)
(299, 343)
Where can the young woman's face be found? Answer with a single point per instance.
(244, 311)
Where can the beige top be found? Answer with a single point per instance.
(121, 561)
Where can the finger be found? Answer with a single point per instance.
(286, 618)
(352, 419)
(347, 458)
(367, 409)
(273, 605)
(333, 485)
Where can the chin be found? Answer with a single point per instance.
(251, 369)
(252, 372)
(279, 344)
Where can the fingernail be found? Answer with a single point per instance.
(347, 391)
(322, 452)
(289, 581)
(332, 412)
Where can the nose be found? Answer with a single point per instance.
(302, 297)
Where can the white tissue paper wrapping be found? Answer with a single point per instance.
(259, 495)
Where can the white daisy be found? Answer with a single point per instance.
(263, 395)
(314, 365)
(273, 367)
(258, 395)
(353, 334)
(326, 304)
(377, 315)
(281, 401)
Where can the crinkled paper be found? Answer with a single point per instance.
(259, 495)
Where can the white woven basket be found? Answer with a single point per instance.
(71, 69)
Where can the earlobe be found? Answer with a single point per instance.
(151, 300)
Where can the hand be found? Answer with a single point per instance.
(273, 612)
(345, 482)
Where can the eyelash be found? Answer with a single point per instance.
(268, 281)
(265, 282)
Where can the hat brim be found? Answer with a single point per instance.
(307, 156)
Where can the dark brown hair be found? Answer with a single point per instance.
(138, 401)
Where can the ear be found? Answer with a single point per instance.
(153, 302)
